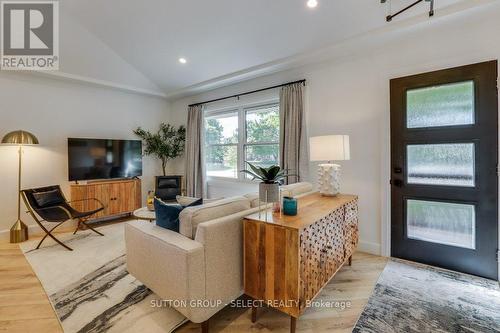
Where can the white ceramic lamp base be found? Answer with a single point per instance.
(329, 179)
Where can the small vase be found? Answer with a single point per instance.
(150, 201)
(269, 192)
(289, 206)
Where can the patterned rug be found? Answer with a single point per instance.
(90, 288)
(411, 297)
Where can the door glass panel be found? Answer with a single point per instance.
(443, 105)
(441, 164)
(441, 222)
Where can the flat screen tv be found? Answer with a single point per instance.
(104, 159)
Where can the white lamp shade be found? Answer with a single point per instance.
(330, 148)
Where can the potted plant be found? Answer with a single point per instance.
(269, 190)
(166, 144)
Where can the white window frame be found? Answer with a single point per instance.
(242, 137)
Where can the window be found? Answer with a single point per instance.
(236, 136)
(262, 126)
(221, 137)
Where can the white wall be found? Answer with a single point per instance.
(54, 110)
(84, 55)
(351, 96)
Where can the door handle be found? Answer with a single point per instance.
(397, 182)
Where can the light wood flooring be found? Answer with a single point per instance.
(24, 306)
(352, 283)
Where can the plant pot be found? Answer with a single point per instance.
(269, 192)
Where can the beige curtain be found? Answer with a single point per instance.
(293, 137)
(195, 182)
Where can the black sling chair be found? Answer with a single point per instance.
(50, 205)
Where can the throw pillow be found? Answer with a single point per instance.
(167, 215)
(48, 198)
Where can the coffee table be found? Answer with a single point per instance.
(145, 214)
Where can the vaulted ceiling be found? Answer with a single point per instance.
(220, 38)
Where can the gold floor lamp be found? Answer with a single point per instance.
(19, 231)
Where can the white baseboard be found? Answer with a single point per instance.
(368, 247)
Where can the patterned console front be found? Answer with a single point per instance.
(288, 259)
(324, 248)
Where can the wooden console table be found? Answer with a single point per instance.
(118, 197)
(289, 259)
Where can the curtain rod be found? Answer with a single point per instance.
(248, 93)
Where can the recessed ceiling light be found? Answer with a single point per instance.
(182, 60)
(312, 3)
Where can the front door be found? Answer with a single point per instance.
(444, 155)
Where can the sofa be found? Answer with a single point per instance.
(201, 267)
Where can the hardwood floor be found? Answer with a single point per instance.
(24, 306)
(352, 283)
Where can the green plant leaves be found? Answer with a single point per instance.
(270, 175)
(166, 144)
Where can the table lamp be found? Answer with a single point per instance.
(329, 148)
(19, 231)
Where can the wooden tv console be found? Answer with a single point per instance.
(119, 197)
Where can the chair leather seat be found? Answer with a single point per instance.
(53, 214)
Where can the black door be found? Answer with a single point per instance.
(444, 155)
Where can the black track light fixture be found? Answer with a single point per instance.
(391, 16)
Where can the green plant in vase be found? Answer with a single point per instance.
(166, 144)
(270, 178)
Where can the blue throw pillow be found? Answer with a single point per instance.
(167, 216)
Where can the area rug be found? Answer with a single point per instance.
(90, 288)
(411, 297)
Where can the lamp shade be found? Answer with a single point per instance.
(330, 148)
(20, 138)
